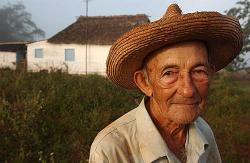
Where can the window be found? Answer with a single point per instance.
(69, 54)
(39, 53)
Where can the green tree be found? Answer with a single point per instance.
(16, 24)
(242, 12)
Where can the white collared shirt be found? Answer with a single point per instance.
(133, 138)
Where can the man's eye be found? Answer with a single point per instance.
(200, 75)
(170, 73)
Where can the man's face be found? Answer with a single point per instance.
(178, 78)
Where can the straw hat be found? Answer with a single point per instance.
(221, 33)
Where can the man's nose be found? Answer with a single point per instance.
(186, 87)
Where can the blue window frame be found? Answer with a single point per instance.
(69, 54)
(39, 53)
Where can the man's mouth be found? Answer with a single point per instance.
(187, 103)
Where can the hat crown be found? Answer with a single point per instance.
(173, 10)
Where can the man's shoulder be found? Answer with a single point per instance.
(213, 155)
(116, 133)
(205, 129)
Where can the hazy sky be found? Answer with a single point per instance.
(54, 15)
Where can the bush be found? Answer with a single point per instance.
(228, 113)
(55, 117)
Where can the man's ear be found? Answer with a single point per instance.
(142, 83)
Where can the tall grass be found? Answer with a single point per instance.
(55, 117)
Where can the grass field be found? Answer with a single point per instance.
(55, 117)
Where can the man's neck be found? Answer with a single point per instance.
(168, 127)
(173, 134)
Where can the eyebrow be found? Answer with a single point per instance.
(176, 66)
(200, 64)
(169, 66)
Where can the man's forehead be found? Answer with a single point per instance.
(184, 52)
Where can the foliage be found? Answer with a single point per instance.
(43, 114)
(228, 113)
(55, 117)
(241, 12)
(16, 24)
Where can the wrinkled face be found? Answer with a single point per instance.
(178, 79)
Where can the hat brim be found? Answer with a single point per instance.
(222, 35)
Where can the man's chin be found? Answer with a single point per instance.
(185, 113)
(184, 118)
(185, 121)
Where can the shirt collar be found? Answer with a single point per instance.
(151, 143)
(196, 141)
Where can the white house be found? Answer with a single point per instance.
(83, 46)
(12, 54)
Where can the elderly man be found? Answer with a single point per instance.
(171, 61)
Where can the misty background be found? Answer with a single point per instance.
(49, 17)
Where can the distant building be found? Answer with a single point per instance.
(13, 54)
(67, 49)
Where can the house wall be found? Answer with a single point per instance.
(54, 58)
(8, 60)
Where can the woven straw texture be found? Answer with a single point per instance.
(222, 35)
